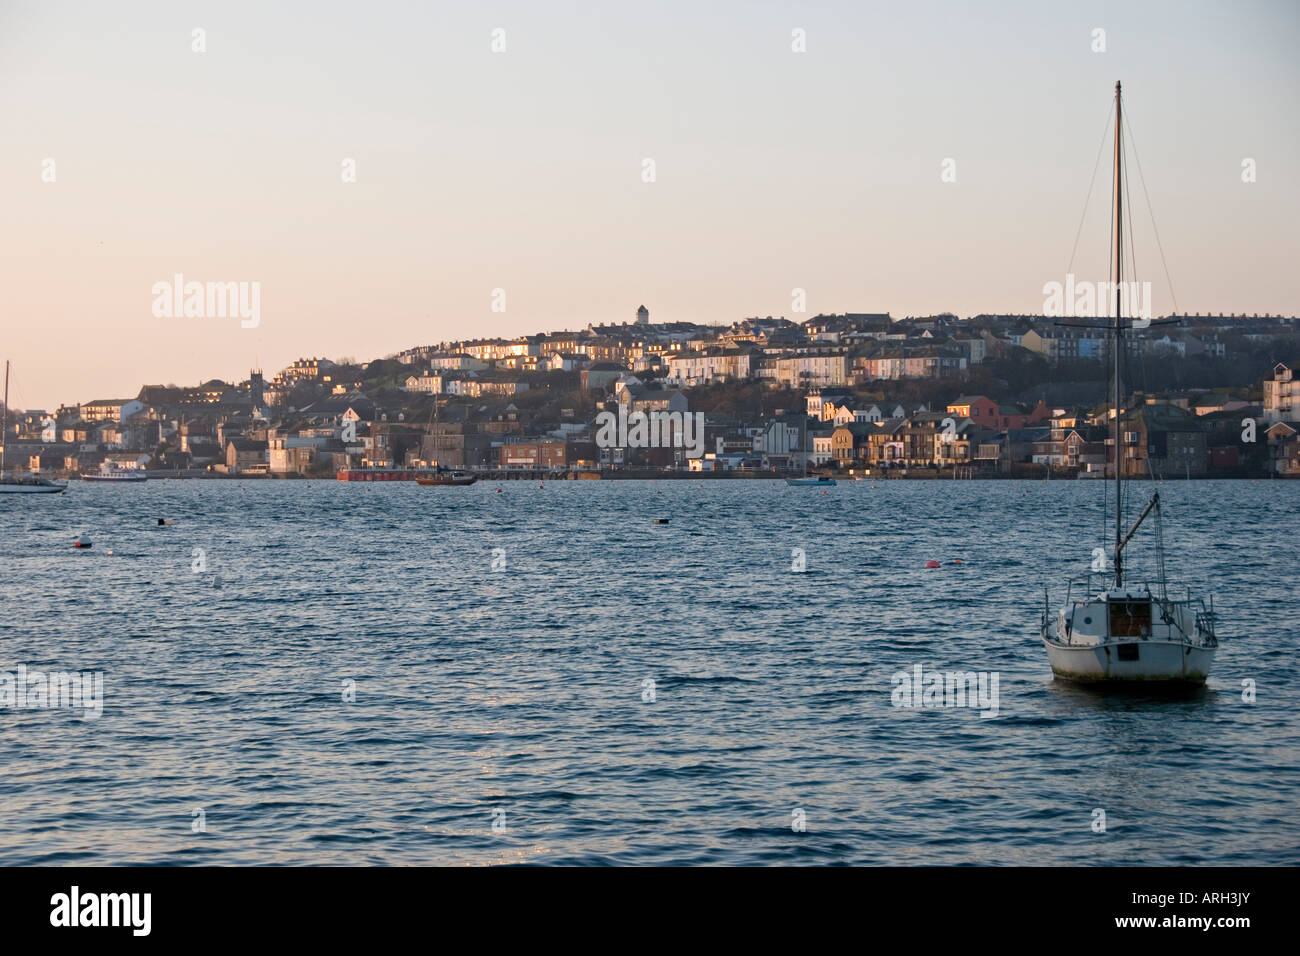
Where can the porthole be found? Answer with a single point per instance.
(1087, 620)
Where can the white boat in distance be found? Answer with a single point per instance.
(1128, 632)
(20, 484)
(117, 476)
(29, 485)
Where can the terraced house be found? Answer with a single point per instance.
(687, 369)
(852, 442)
(810, 369)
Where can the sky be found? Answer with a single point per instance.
(130, 157)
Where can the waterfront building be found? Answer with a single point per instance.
(1282, 395)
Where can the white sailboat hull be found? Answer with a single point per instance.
(1172, 661)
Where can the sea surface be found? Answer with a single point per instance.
(333, 673)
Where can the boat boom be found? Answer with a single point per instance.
(1119, 545)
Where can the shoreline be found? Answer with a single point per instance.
(699, 476)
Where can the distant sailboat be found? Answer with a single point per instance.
(822, 480)
(1127, 632)
(446, 478)
(20, 484)
(440, 476)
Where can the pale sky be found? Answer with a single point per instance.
(523, 170)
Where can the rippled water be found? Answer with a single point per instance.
(516, 696)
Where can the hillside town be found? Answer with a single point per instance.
(855, 393)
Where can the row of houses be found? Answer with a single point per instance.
(826, 350)
(1158, 439)
(331, 422)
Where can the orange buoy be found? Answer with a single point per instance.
(932, 564)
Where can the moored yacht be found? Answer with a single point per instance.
(807, 479)
(20, 484)
(1124, 631)
(1131, 633)
(441, 477)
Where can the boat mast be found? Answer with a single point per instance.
(4, 427)
(1119, 336)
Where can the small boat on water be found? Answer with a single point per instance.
(1123, 632)
(447, 478)
(20, 484)
(439, 475)
(821, 481)
(29, 485)
(117, 476)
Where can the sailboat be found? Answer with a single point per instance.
(1125, 631)
(20, 484)
(439, 475)
(822, 480)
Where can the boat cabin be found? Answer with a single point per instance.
(1129, 618)
(1109, 615)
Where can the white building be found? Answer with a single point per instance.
(686, 369)
(814, 369)
(821, 453)
(456, 362)
(1282, 395)
(111, 409)
(428, 382)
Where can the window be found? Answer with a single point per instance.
(1130, 619)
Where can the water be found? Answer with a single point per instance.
(515, 697)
